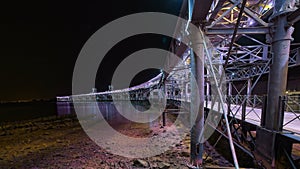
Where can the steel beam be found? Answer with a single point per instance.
(224, 14)
(252, 15)
(235, 32)
(200, 11)
(215, 11)
(294, 17)
(229, 31)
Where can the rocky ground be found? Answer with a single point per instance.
(60, 142)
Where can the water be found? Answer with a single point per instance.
(26, 110)
(115, 113)
(32, 110)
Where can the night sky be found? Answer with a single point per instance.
(40, 42)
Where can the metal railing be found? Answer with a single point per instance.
(243, 107)
(291, 113)
(250, 109)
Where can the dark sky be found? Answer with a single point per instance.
(40, 41)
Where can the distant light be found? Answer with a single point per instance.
(251, 22)
(232, 74)
(270, 4)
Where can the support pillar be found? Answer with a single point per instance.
(278, 70)
(281, 37)
(197, 99)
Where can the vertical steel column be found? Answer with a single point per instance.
(208, 92)
(207, 98)
(249, 85)
(229, 88)
(229, 96)
(281, 37)
(279, 68)
(207, 89)
(197, 68)
(164, 118)
(298, 56)
(244, 106)
(282, 102)
(187, 91)
(221, 85)
(181, 92)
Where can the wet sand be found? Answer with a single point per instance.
(60, 142)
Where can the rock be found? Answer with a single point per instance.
(216, 162)
(49, 128)
(185, 154)
(121, 164)
(46, 133)
(168, 153)
(178, 144)
(154, 165)
(209, 160)
(141, 163)
(76, 156)
(59, 141)
(106, 167)
(3, 134)
(157, 159)
(58, 155)
(164, 165)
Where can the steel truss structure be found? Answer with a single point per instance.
(241, 35)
